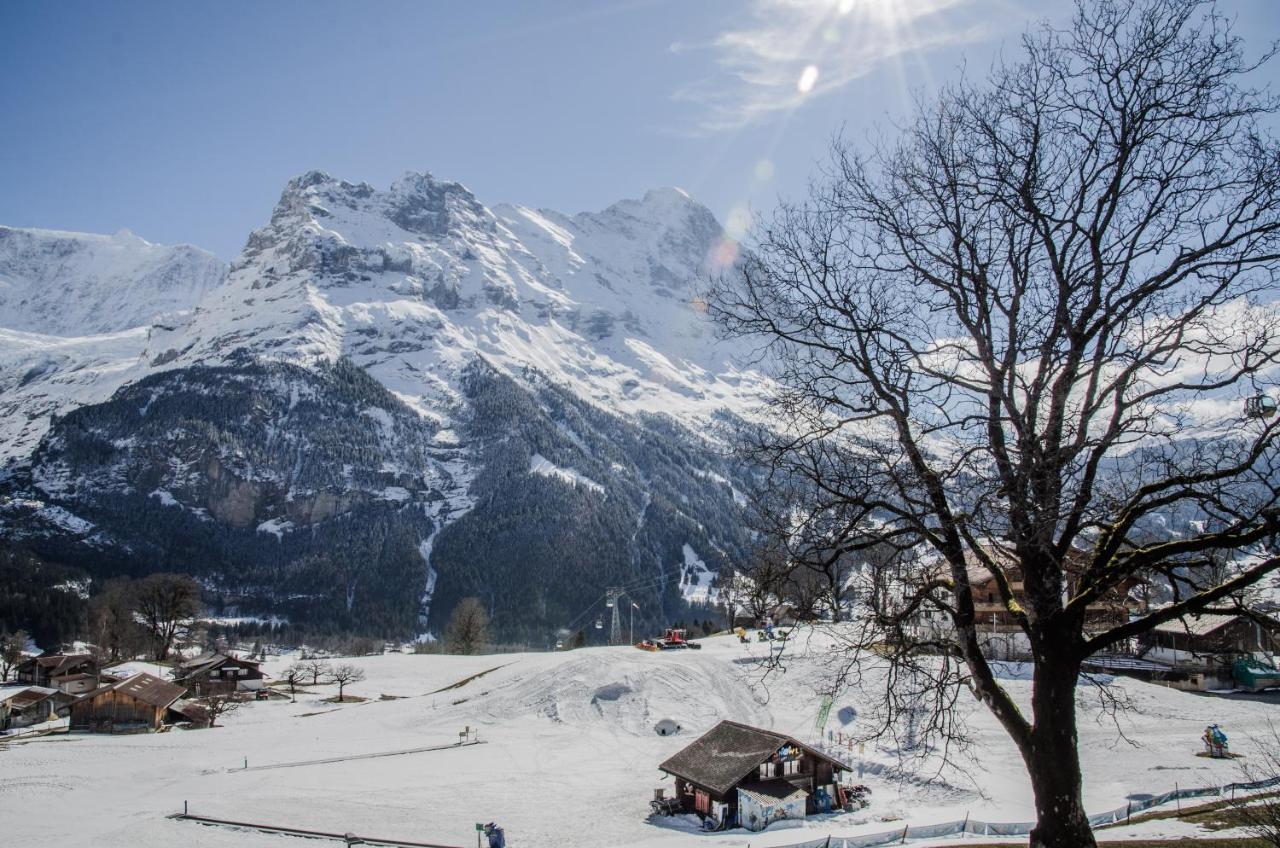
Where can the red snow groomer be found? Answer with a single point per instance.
(673, 638)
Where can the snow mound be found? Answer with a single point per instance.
(630, 694)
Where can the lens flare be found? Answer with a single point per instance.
(808, 79)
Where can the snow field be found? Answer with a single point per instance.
(570, 757)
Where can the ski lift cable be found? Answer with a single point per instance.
(636, 586)
(584, 613)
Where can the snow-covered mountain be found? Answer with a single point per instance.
(74, 312)
(534, 428)
(74, 284)
(414, 281)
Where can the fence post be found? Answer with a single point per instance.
(1177, 796)
(904, 834)
(965, 827)
(184, 808)
(1128, 811)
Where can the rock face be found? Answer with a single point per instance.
(393, 400)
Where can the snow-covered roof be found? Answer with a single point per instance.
(1196, 625)
(144, 687)
(28, 696)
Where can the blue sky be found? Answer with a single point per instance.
(182, 121)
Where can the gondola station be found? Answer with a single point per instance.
(737, 775)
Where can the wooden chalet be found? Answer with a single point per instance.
(998, 629)
(218, 674)
(741, 775)
(1205, 651)
(71, 673)
(33, 705)
(137, 704)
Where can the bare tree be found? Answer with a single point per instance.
(115, 631)
(1259, 814)
(293, 676)
(468, 628)
(167, 605)
(730, 587)
(344, 674)
(216, 706)
(996, 340)
(766, 575)
(11, 647)
(316, 668)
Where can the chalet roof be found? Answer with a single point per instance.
(1005, 558)
(208, 662)
(57, 663)
(29, 696)
(204, 659)
(1197, 625)
(729, 752)
(771, 793)
(190, 709)
(144, 687)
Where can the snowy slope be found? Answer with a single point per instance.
(577, 726)
(77, 284)
(74, 313)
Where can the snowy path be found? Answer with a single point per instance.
(348, 759)
(344, 838)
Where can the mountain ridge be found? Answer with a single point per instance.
(582, 335)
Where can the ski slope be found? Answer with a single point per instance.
(570, 757)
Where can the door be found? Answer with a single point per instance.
(702, 802)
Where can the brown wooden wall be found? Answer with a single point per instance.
(114, 712)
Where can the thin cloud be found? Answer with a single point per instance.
(786, 52)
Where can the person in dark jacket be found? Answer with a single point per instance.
(497, 839)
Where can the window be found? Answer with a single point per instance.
(767, 770)
(791, 767)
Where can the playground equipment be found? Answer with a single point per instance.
(1215, 742)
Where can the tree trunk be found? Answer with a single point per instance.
(1053, 761)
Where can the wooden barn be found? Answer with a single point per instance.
(137, 704)
(218, 674)
(737, 774)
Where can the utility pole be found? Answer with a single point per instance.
(635, 607)
(612, 595)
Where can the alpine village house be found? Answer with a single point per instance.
(739, 774)
(141, 702)
(218, 674)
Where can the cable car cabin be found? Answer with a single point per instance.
(1261, 406)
